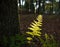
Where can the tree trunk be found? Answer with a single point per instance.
(8, 18)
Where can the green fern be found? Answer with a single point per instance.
(49, 41)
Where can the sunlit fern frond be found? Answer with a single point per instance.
(39, 18)
(35, 27)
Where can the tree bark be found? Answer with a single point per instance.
(8, 18)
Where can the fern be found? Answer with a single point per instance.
(35, 27)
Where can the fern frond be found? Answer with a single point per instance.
(35, 27)
(29, 33)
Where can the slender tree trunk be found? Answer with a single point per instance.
(59, 7)
(39, 10)
(43, 6)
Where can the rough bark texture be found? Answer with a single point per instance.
(8, 18)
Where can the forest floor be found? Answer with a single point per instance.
(51, 23)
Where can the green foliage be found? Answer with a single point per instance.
(4, 41)
(49, 41)
(14, 41)
(17, 41)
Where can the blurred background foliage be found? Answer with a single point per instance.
(40, 6)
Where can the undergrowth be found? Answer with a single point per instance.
(35, 33)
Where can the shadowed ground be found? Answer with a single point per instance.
(51, 24)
